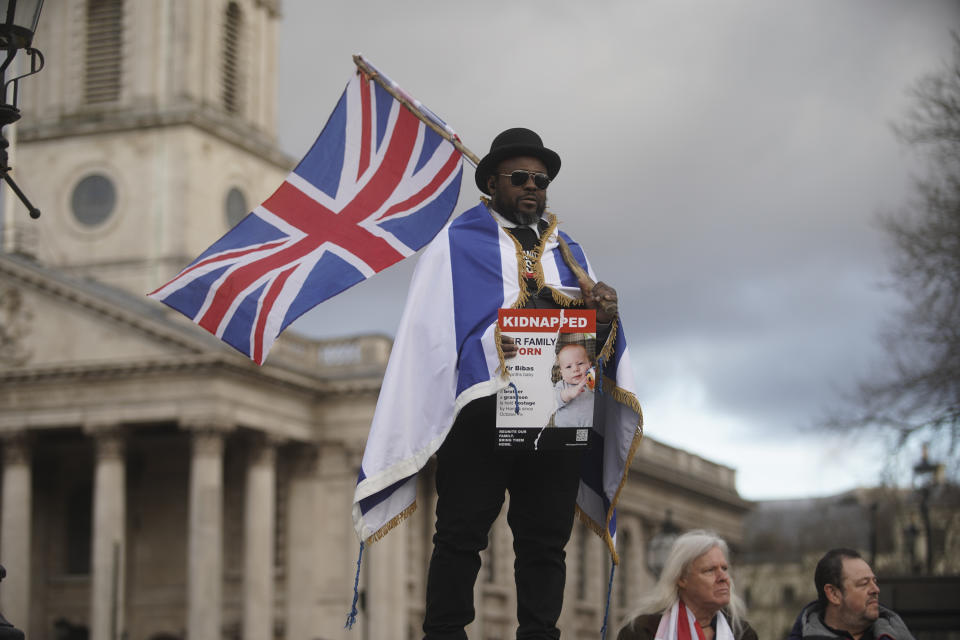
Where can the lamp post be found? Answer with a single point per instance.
(20, 19)
(933, 471)
(660, 544)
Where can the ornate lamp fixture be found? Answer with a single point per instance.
(659, 546)
(20, 19)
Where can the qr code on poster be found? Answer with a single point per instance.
(582, 435)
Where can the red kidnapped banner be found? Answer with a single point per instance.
(541, 320)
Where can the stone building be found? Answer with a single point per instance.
(918, 566)
(156, 484)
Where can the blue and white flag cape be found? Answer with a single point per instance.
(447, 354)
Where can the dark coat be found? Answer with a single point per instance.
(809, 625)
(646, 628)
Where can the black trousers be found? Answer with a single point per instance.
(472, 477)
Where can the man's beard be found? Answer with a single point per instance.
(508, 209)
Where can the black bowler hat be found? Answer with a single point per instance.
(510, 144)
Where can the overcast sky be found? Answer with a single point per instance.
(723, 164)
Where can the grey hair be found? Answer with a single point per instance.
(684, 551)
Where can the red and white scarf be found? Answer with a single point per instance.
(679, 624)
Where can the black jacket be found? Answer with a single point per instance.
(645, 628)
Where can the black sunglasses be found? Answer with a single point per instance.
(519, 178)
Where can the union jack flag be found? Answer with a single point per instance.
(377, 185)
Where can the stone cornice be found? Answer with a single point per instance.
(221, 363)
(204, 118)
(686, 482)
(63, 291)
(201, 350)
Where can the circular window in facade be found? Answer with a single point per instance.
(235, 206)
(93, 200)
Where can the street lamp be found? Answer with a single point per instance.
(934, 471)
(20, 19)
(659, 546)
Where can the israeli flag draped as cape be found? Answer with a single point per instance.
(447, 354)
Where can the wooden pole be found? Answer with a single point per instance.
(391, 88)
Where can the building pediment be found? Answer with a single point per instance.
(53, 325)
(48, 319)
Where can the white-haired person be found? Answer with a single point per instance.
(694, 596)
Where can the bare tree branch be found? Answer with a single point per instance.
(917, 393)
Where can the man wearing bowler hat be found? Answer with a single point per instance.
(472, 476)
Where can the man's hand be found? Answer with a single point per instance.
(601, 297)
(509, 347)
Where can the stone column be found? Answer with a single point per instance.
(205, 535)
(322, 547)
(304, 546)
(108, 548)
(15, 529)
(385, 578)
(258, 540)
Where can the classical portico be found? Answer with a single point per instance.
(195, 465)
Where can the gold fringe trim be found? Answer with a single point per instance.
(626, 398)
(559, 297)
(607, 352)
(620, 396)
(502, 367)
(397, 519)
(521, 280)
(564, 300)
(541, 279)
(524, 295)
(597, 529)
(589, 522)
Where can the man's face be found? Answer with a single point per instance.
(858, 602)
(522, 204)
(705, 587)
(573, 363)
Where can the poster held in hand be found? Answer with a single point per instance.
(549, 402)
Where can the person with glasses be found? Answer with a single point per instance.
(507, 251)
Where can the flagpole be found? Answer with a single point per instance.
(415, 108)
